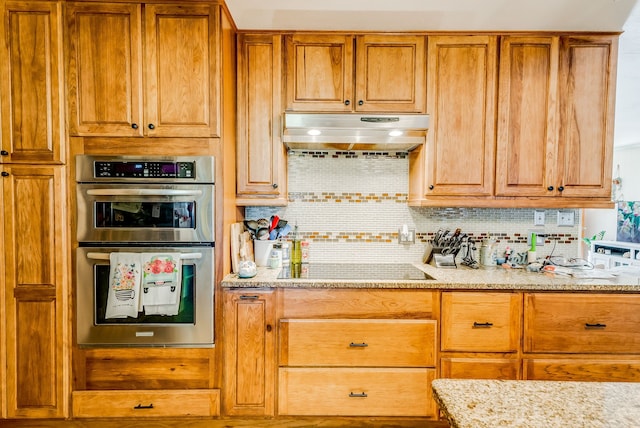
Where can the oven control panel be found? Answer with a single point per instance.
(131, 169)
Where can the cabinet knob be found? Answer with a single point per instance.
(4, 153)
(274, 185)
(550, 188)
(269, 328)
(560, 188)
(134, 125)
(152, 126)
(5, 174)
(360, 102)
(347, 102)
(431, 187)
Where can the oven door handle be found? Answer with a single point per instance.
(143, 192)
(106, 256)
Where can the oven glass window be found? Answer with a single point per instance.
(186, 313)
(173, 215)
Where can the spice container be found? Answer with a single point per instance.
(286, 253)
(304, 251)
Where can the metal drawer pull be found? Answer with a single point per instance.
(358, 395)
(141, 407)
(596, 325)
(358, 345)
(106, 256)
(482, 324)
(245, 297)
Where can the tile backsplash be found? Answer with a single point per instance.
(350, 206)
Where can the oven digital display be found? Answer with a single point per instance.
(107, 169)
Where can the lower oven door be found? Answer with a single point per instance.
(120, 212)
(190, 324)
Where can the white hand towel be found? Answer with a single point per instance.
(161, 283)
(124, 285)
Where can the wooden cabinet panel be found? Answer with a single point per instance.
(582, 369)
(356, 392)
(527, 116)
(146, 403)
(359, 303)
(388, 74)
(480, 367)
(587, 101)
(249, 352)
(32, 67)
(461, 83)
(182, 74)
(179, 73)
(319, 72)
(582, 323)
(261, 156)
(105, 69)
(35, 279)
(339, 342)
(481, 321)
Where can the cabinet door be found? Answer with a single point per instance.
(249, 352)
(181, 70)
(35, 278)
(261, 156)
(527, 116)
(105, 69)
(390, 74)
(319, 73)
(587, 101)
(32, 87)
(461, 81)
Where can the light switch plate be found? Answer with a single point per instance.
(566, 218)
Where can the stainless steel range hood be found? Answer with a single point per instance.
(354, 132)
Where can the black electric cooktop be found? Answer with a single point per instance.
(354, 271)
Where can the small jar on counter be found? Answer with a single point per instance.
(286, 253)
(304, 251)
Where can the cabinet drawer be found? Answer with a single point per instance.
(146, 403)
(480, 322)
(582, 323)
(360, 303)
(582, 369)
(356, 392)
(350, 342)
(479, 368)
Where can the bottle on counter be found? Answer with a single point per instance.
(304, 251)
(286, 253)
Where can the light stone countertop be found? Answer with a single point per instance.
(538, 404)
(462, 278)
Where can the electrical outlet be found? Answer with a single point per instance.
(540, 236)
(566, 218)
(538, 218)
(406, 236)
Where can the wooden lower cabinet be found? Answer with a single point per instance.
(480, 367)
(583, 368)
(146, 403)
(249, 359)
(355, 391)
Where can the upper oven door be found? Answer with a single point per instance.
(119, 212)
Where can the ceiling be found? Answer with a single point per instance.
(469, 15)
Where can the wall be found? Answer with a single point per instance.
(625, 160)
(351, 205)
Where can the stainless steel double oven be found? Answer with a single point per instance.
(145, 205)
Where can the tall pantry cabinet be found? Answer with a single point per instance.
(33, 258)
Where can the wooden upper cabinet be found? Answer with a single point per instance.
(261, 156)
(367, 73)
(163, 82)
(461, 85)
(527, 116)
(32, 83)
(555, 116)
(587, 101)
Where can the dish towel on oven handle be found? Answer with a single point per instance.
(161, 283)
(125, 270)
